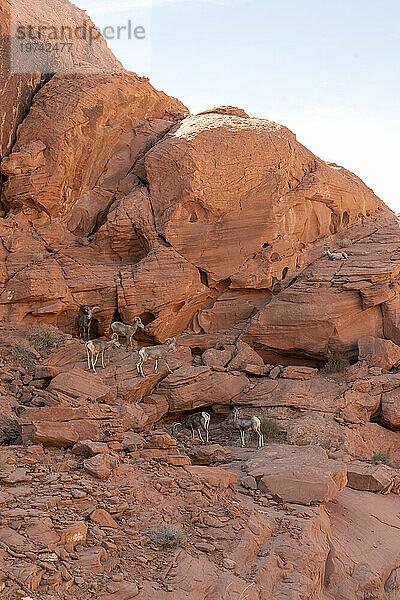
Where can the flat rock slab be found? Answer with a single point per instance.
(369, 478)
(213, 475)
(297, 474)
(78, 383)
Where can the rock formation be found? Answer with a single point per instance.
(211, 228)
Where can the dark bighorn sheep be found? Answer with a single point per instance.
(244, 424)
(197, 422)
(340, 255)
(96, 348)
(85, 320)
(127, 331)
(155, 353)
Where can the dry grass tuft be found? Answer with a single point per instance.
(44, 337)
(169, 536)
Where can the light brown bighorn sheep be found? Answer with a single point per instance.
(244, 424)
(127, 331)
(340, 255)
(155, 353)
(84, 320)
(197, 422)
(95, 348)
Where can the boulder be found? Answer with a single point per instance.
(298, 372)
(213, 476)
(102, 518)
(208, 454)
(300, 475)
(100, 466)
(87, 448)
(391, 408)
(244, 355)
(377, 352)
(368, 477)
(132, 441)
(194, 387)
(82, 385)
(70, 424)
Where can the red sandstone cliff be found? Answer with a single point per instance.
(211, 228)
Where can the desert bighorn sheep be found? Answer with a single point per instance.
(335, 255)
(244, 424)
(197, 422)
(127, 331)
(95, 348)
(85, 320)
(155, 353)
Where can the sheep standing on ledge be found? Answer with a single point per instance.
(197, 422)
(127, 331)
(244, 424)
(84, 320)
(155, 353)
(95, 348)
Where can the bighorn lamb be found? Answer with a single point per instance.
(155, 353)
(244, 424)
(127, 331)
(340, 255)
(95, 348)
(84, 320)
(197, 422)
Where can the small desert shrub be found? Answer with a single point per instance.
(169, 536)
(344, 243)
(44, 337)
(271, 430)
(382, 458)
(336, 364)
(37, 258)
(23, 350)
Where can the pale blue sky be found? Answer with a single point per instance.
(329, 70)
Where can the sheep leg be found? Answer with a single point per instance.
(242, 438)
(140, 367)
(102, 359)
(166, 362)
(206, 430)
(95, 362)
(88, 358)
(199, 434)
(156, 366)
(192, 430)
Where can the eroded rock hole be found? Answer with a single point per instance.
(203, 277)
(345, 218)
(284, 273)
(334, 225)
(178, 307)
(147, 317)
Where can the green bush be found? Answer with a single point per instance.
(382, 458)
(169, 536)
(23, 350)
(336, 364)
(271, 430)
(37, 258)
(344, 243)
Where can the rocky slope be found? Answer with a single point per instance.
(211, 228)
